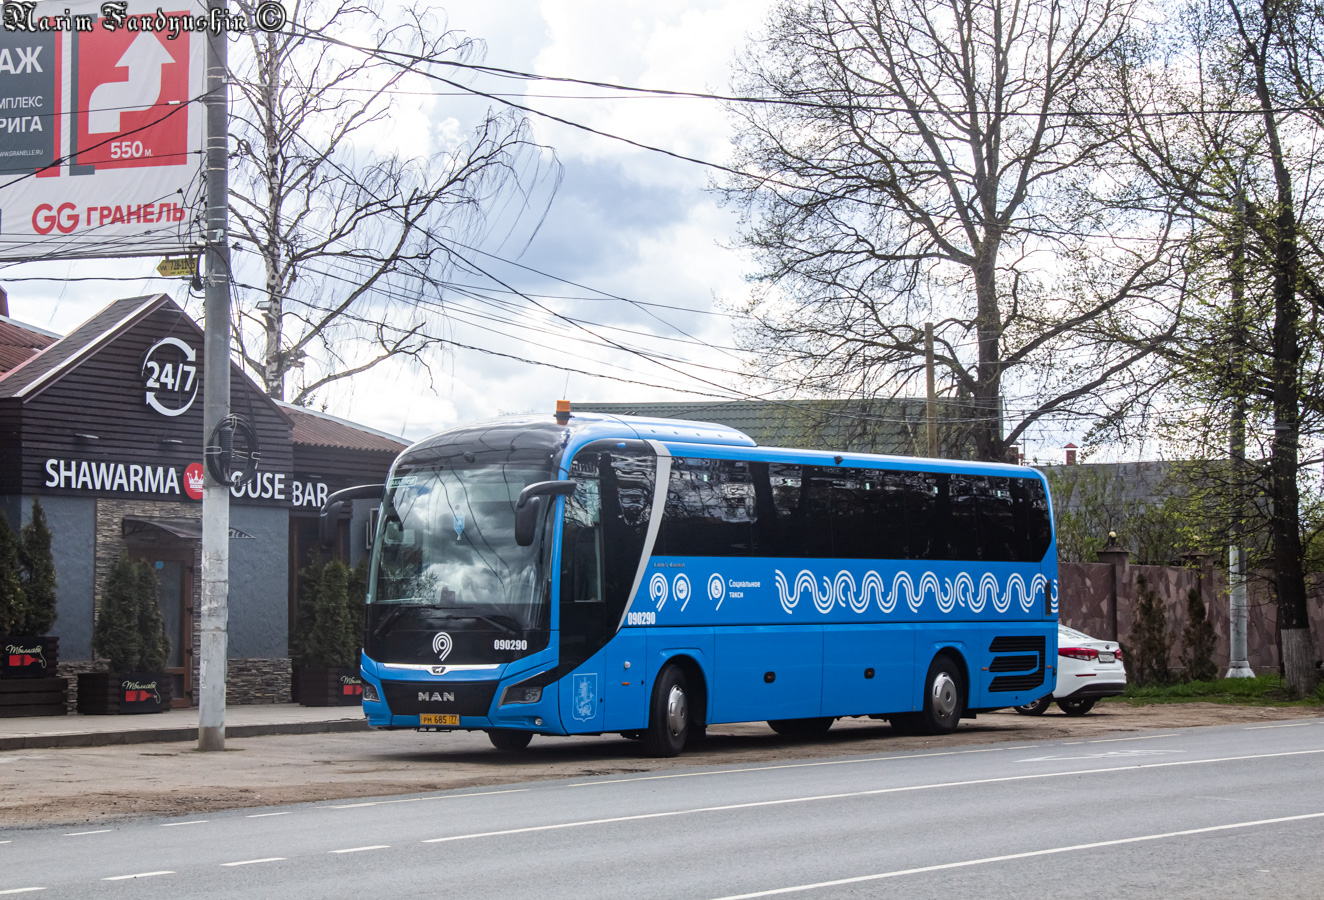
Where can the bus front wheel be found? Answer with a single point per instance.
(669, 714)
(509, 739)
(944, 696)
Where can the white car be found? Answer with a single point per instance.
(1087, 669)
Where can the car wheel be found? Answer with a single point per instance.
(1037, 708)
(802, 727)
(1075, 707)
(509, 739)
(944, 696)
(669, 714)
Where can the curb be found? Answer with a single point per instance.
(163, 735)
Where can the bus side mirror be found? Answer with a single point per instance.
(528, 508)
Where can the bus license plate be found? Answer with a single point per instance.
(427, 719)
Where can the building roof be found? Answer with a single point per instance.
(893, 426)
(19, 342)
(318, 429)
(61, 355)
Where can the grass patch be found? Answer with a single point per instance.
(1262, 690)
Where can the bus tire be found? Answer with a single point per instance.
(509, 739)
(944, 696)
(812, 727)
(668, 714)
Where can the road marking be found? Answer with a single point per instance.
(1288, 725)
(249, 862)
(1029, 854)
(359, 849)
(1143, 737)
(1105, 754)
(22, 890)
(870, 793)
(173, 824)
(81, 833)
(264, 815)
(420, 799)
(139, 875)
(810, 765)
(6, 842)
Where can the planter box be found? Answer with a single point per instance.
(29, 657)
(33, 697)
(316, 686)
(111, 693)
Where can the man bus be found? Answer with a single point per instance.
(594, 573)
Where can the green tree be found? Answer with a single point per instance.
(38, 566)
(13, 607)
(1197, 653)
(1149, 643)
(116, 635)
(333, 639)
(155, 643)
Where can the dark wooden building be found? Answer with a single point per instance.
(105, 426)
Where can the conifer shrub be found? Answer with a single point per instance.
(13, 605)
(115, 635)
(130, 630)
(1149, 642)
(151, 624)
(333, 641)
(38, 574)
(1198, 640)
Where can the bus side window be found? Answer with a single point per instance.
(581, 540)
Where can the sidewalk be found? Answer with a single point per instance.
(176, 725)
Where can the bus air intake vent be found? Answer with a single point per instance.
(1016, 650)
(465, 698)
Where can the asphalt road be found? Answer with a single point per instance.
(1233, 811)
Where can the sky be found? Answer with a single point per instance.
(623, 222)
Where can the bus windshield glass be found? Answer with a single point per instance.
(447, 541)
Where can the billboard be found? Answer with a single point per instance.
(101, 129)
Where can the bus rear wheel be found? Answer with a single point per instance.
(668, 714)
(509, 739)
(944, 696)
(802, 727)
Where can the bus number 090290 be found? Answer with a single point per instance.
(500, 644)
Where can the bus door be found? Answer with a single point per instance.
(602, 539)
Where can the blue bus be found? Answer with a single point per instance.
(583, 574)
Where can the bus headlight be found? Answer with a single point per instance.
(370, 693)
(521, 693)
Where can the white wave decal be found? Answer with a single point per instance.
(1038, 589)
(1055, 596)
(842, 590)
(964, 589)
(873, 583)
(1017, 583)
(1001, 602)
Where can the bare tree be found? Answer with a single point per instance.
(933, 161)
(1221, 118)
(352, 236)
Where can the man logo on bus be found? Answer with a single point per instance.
(717, 589)
(441, 645)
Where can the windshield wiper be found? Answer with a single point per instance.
(491, 620)
(391, 615)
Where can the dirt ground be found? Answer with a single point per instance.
(101, 784)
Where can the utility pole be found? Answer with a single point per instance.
(1238, 666)
(931, 412)
(216, 402)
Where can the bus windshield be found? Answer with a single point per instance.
(447, 541)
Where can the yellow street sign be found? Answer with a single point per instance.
(178, 267)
